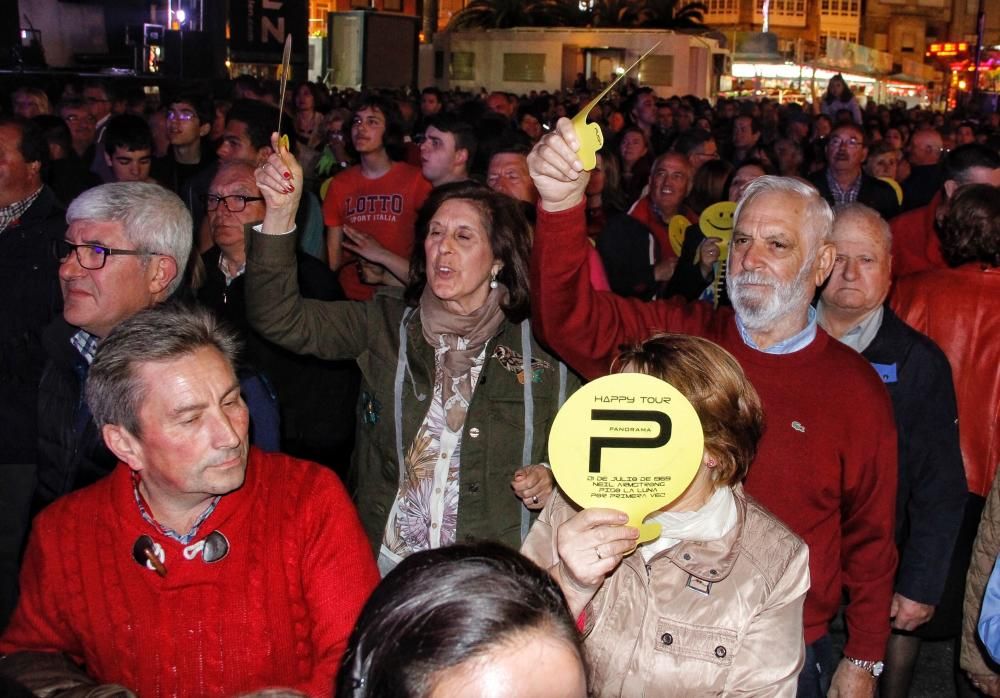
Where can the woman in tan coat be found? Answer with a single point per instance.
(714, 605)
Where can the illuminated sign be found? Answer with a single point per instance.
(948, 48)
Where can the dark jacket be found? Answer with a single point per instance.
(316, 397)
(931, 496)
(920, 187)
(29, 299)
(874, 193)
(71, 452)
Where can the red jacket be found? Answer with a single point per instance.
(275, 611)
(642, 211)
(826, 465)
(960, 310)
(915, 243)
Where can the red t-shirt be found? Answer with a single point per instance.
(385, 208)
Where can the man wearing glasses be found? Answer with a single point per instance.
(126, 249)
(189, 120)
(844, 182)
(30, 218)
(317, 397)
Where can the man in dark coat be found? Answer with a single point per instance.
(30, 218)
(844, 182)
(931, 497)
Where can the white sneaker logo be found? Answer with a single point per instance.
(797, 426)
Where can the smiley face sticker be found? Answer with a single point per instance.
(627, 441)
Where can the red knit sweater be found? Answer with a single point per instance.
(827, 463)
(276, 611)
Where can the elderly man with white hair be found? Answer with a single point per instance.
(827, 463)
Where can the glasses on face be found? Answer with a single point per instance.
(73, 118)
(852, 143)
(174, 115)
(234, 203)
(92, 256)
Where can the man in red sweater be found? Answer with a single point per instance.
(200, 566)
(827, 463)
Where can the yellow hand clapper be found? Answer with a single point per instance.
(590, 134)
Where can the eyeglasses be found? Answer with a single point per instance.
(852, 143)
(174, 115)
(239, 202)
(73, 118)
(92, 257)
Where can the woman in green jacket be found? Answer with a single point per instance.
(457, 398)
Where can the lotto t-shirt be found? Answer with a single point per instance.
(385, 208)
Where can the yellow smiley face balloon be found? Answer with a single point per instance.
(627, 441)
(716, 221)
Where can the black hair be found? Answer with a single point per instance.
(55, 131)
(392, 139)
(431, 90)
(260, 119)
(509, 234)
(202, 104)
(127, 131)
(440, 608)
(33, 147)
(963, 158)
(845, 96)
(465, 135)
(691, 139)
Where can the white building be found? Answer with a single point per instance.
(524, 59)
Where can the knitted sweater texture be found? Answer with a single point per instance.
(276, 611)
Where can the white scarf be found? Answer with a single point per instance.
(714, 520)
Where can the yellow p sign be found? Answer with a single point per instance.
(627, 441)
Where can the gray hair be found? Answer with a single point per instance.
(818, 218)
(153, 218)
(164, 332)
(855, 214)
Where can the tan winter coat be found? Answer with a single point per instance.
(975, 659)
(720, 617)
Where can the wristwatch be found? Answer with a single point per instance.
(870, 665)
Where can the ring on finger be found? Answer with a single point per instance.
(534, 500)
(597, 549)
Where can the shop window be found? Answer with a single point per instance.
(463, 65)
(658, 70)
(524, 67)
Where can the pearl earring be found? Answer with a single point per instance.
(493, 281)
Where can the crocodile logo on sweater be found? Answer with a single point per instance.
(797, 426)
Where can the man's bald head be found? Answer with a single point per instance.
(925, 147)
(862, 267)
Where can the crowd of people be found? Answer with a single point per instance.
(245, 378)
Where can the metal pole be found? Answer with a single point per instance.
(980, 29)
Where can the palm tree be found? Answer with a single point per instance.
(503, 14)
(614, 13)
(664, 14)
